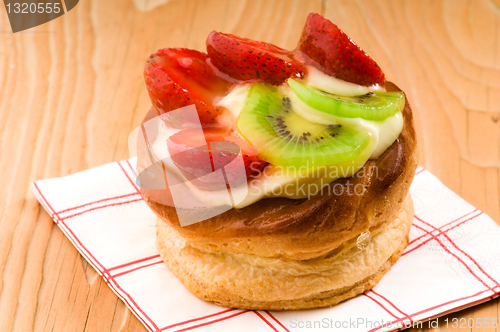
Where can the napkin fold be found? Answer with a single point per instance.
(450, 263)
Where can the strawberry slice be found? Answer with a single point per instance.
(248, 60)
(198, 154)
(333, 52)
(178, 77)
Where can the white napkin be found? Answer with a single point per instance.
(452, 261)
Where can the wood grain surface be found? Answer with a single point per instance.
(72, 90)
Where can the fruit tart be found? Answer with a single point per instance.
(284, 173)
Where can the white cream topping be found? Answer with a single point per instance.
(316, 78)
(293, 183)
(275, 181)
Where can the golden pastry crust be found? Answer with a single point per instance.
(305, 229)
(252, 282)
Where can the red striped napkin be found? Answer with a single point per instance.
(451, 261)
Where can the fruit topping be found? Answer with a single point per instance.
(334, 53)
(177, 77)
(198, 153)
(371, 106)
(283, 138)
(248, 60)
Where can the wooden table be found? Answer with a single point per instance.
(72, 90)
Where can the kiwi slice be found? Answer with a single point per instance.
(375, 106)
(284, 138)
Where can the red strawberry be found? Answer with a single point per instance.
(198, 154)
(333, 52)
(177, 77)
(248, 60)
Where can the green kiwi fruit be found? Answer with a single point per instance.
(282, 137)
(375, 106)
